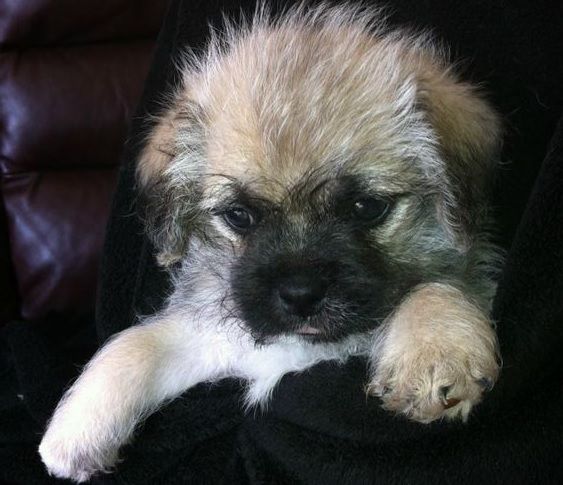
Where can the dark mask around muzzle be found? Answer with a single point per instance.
(323, 281)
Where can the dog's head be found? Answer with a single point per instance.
(328, 166)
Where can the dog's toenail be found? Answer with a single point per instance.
(450, 403)
(486, 384)
(444, 392)
(380, 391)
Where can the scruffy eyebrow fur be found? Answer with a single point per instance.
(314, 189)
(234, 193)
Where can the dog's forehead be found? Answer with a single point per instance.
(278, 182)
(286, 109)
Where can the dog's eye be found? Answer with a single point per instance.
(239, 218)
(370, 209)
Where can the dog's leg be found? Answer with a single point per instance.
(435, 356)
(125, 381)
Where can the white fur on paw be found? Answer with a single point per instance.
(69, 455)
(436, 357)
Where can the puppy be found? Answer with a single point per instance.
(317, 187)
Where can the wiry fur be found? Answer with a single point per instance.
(297, 116)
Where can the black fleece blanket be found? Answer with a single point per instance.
(320, 429)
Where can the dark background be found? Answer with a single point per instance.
(71, 76)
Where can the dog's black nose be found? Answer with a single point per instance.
(301, 293)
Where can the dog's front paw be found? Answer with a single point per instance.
(435, 360)
(74, 456)
(66, 458)
(431, 382)
(78, 442)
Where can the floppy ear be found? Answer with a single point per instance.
(167, 179)
(469, 137)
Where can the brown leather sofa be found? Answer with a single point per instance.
(71, 73)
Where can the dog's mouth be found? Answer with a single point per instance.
(308, 330)
(311, 332)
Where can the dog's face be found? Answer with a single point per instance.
(309, 260)
(327, 170)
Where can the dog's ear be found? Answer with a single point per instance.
(167, 175)
(469, 139)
